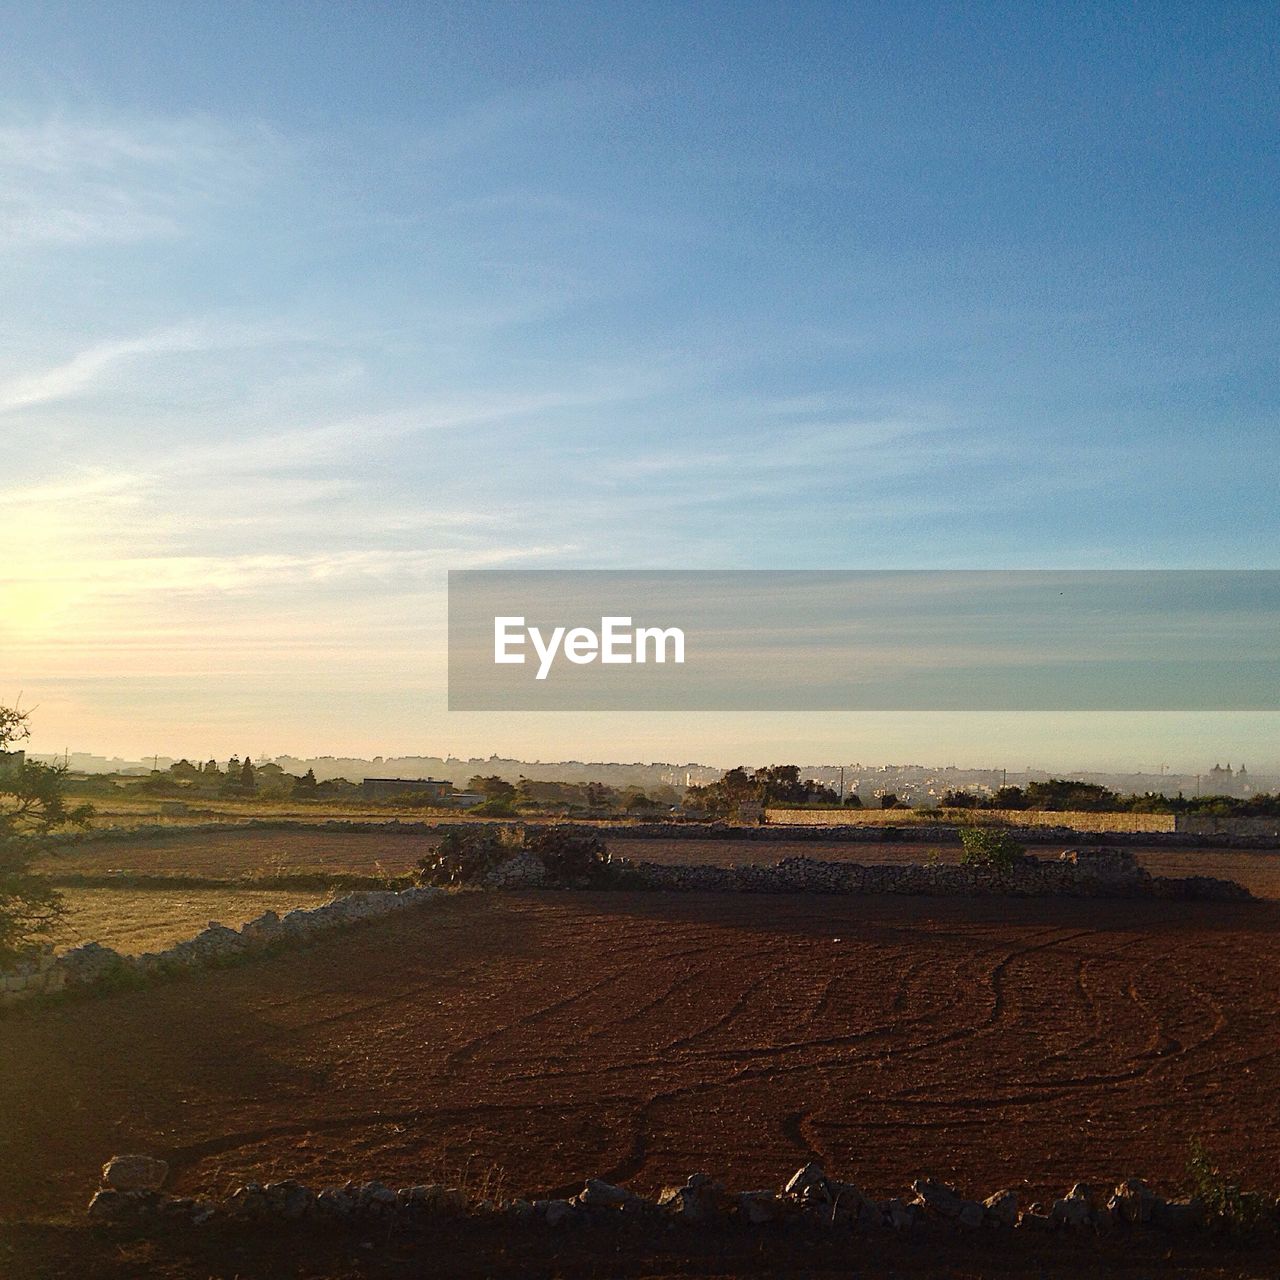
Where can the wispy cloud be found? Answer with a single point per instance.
(90, 366)
(66, 182)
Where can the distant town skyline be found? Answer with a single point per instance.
(1231, 769)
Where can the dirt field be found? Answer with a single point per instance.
(532, 1039)
(236, 853)
(133, 921)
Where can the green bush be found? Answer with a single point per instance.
(1239, 1210)
(498, 807)
(991, 848)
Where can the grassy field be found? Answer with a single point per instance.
(137, 920)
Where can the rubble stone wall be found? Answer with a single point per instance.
(131, 1195)
(1071, 821)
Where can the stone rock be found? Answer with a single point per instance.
(335, 1202)
(806, 1180)
(1002, 1208)
(203, 1213)
(450, 1202)
(90, 963)
(1032, 1220)
(375, 1199)
(900, 1215)
(1135, 1202)
(555, 1213)
(290, 1199)
(1180, 1215)
(249, 1203)
(1073, 1210)
(759, 1207)
(110, 1206)
(938, 1198)
(520, 1211)
(134, 1173)
(701, 1200)
(598, 1194)
(265, 929)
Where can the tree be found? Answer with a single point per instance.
(492, 788)
(32, 802)
(33, 794)
(248, 782)
(305, 787)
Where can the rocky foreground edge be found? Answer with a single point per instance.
(131, 1195)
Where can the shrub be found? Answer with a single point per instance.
(989, 847)
(566, 852)
(467, 853)
(498, 807)
(1240, 1210)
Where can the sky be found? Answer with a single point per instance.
(303, 305)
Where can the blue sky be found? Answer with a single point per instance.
(302, 305)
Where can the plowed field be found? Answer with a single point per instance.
(532, 1039)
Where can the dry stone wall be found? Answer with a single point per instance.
(131, 1195)
(1077, 873)
(1067, 821)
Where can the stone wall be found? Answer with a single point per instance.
(1256, 829)
(1077, 873)
(95, 966)
(1070, 820)
(131, 1196)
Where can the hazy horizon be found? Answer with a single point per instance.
(1196, 742)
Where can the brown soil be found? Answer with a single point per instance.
(533, 1039)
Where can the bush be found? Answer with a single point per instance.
(466, 854)
(498, 807)
(1240, 1210)
(990, 848)
(567, 854)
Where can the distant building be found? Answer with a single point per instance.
(389, 788)
(466, 799)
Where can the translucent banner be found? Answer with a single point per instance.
(747, 640)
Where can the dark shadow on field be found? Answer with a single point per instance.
(460, 1251)
(158, 1068)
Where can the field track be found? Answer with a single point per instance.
(640, 1037)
